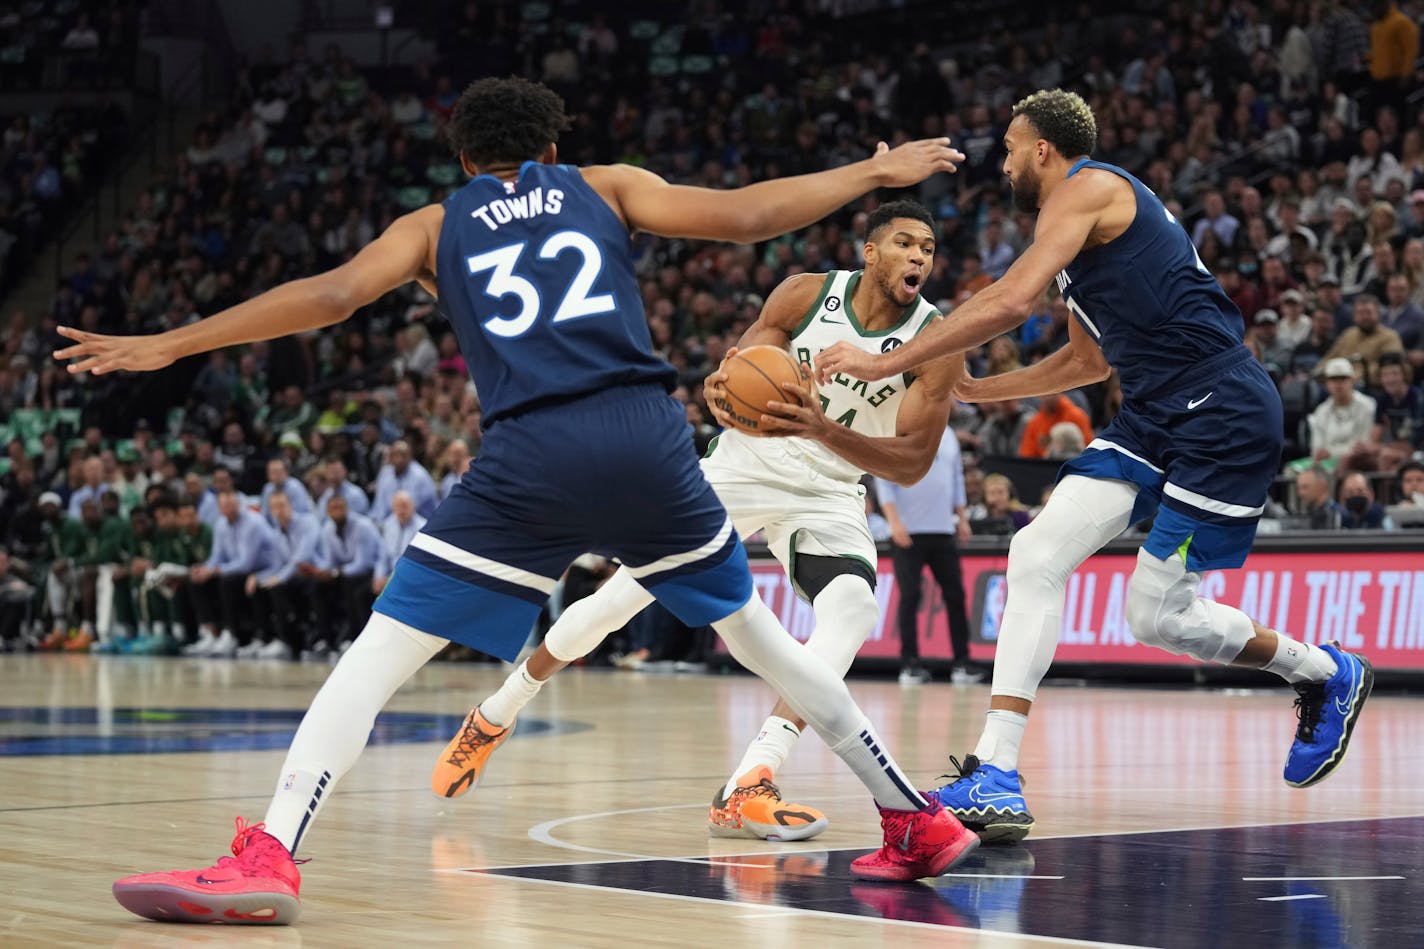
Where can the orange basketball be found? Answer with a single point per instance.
(754, 378)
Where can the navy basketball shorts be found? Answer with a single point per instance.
(1204, 456)
(613, 473)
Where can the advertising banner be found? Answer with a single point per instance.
(1372, 602)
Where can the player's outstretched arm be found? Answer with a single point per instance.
(903, 458)
(1063, 227)
(1079, 363)
(768, 208)
(399, 255)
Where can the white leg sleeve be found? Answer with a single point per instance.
(1081, 516)
(104, 601)
(57, 592)
(583, 625)
(1163, 610)
(337, 726)
(846, 614)
(816, 692)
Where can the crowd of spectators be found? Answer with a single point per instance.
(70, 44)
(1281, 135)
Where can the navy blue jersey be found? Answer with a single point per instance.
(1148, 300)
(537, 281)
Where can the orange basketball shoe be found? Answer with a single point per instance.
(258, 885)
(79, 642)
(917, 844)
(460, 764)
(755, 810)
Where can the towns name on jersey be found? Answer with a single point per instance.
(520, 207)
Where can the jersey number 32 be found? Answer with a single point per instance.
(578, 300)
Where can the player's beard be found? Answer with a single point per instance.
(890, 288)
(1026, 191)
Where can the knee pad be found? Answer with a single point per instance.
(1163, 610)
(1036, 560)
(846, 614)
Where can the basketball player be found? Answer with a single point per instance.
(804, 491)
(1197, 444)
(584, 449)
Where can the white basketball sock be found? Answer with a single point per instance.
(999, 744)
(337, 726)
(846, 614)
(808, 684)
(768, 749)
(517, 691)
(1300, 662)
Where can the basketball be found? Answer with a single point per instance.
(754, 378)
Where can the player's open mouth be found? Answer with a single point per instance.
(911, 283)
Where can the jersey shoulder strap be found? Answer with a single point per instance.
(832, 288)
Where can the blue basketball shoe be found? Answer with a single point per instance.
(987, 800)
(1327, 712)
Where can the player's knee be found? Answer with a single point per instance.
(1035, 560)
(1161, 608)
(846, 614)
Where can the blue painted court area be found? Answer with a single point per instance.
(1355, 884)
(41, 730)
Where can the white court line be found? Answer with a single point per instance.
(1300, 896)
(843, 918)
(1000, 876)
(544, 834)
(1285, 879)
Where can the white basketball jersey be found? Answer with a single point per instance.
(869, 408)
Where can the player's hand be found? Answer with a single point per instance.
(100, 354)
(913, 162)
(802, 418)
(844, 358)
(963, 529)
(715, 395)
(899, 535)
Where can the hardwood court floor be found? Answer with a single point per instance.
(595, 810)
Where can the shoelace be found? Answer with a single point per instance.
(763, 788)
(245, 833)
(962, 771)
(1309, 704)
(471, 740)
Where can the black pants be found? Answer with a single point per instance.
(941, 554)
(14, 610)
(235, 606)
(285, 610)
(200, 599)
(343, 605)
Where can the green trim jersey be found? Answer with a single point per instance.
(869, 408)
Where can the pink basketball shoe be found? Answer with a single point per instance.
(257, 885)
(917, 844)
